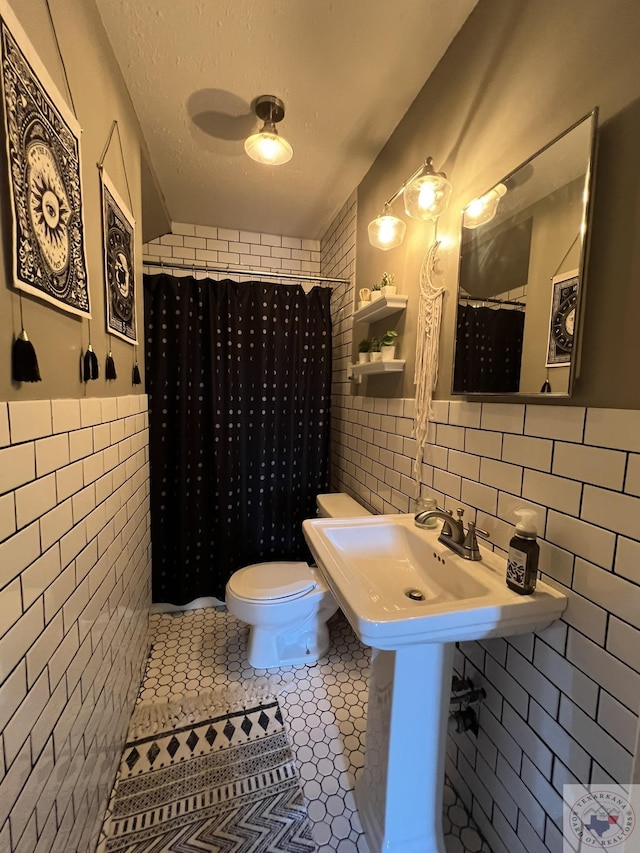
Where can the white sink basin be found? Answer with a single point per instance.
(371, 563)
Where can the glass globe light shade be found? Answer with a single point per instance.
(386, 232)
(483, 209)
(268, 148)
(427, 195)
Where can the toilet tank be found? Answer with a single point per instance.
(339, 505)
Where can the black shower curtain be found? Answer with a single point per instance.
(239, 378)
(488, 349)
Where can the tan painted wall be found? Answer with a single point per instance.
(554, 231)
(517, 75)
(100, 97)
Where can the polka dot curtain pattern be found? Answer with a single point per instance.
(488, 350)
(239, 378)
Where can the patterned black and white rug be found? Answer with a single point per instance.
(225, 783)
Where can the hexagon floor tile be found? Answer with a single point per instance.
(324, 708)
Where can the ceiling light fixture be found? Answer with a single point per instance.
(426, 196)
(482, 210)
(266, 146)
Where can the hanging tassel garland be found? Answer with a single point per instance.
(91, 370)
(110, 368)
(24, 361)
(135, 377)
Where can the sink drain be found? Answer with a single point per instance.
(415, 594)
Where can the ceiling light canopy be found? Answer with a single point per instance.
(426, 196)
(267, 146)
(482, 210)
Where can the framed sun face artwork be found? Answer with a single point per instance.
(564, 300)
(43, 148)
(118, 228)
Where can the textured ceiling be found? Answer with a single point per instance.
(347, 71)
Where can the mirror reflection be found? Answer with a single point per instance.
(520, 284)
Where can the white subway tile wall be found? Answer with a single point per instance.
(75, 579)
(190, 246)
(562, 705)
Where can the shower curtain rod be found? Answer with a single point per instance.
(244, 271)
(494, 301)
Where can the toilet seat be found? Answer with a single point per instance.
(271, 582)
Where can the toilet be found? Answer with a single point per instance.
(287, 605)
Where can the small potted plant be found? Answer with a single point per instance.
(388, 345)
(363, 351)
(374, 352)
(387, 286)
(376, 291)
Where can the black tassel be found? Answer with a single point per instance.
(24, 361)
(546, 385)
(110, 367)
(135, 377)
(91, 370)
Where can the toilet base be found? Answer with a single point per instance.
(267, 650)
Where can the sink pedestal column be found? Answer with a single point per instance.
(399, 794)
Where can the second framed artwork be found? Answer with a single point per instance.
(564, 298)
(119, 266)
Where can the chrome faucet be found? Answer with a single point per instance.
(453, 534)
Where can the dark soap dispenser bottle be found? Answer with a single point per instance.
(522, 562)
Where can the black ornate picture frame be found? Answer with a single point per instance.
(118, 227)
(43, 149)
(564, 298)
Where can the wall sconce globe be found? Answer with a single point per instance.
(386, 232)
(427, 195)
(482, 210)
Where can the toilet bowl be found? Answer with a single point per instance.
(287, 605)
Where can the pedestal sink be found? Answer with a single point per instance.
(411, 598)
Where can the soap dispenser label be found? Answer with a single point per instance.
(516, 565)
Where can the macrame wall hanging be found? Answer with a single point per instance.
(118, 227)
(427, 347)
(45, 188)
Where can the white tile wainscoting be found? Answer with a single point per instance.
(74, 597)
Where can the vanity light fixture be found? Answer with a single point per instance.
(426, 196)
(482, 210)
(266, 145)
